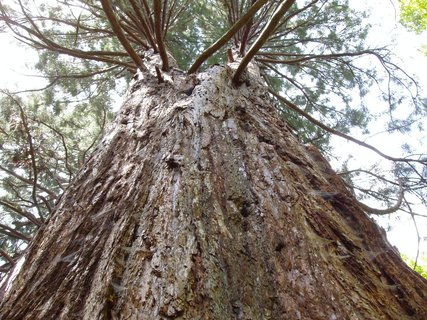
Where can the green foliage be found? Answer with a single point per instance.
(33, 176)
(413, 14)
(199, 26)
(325, 87)
(420, 267)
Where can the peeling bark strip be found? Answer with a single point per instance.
(199, 203)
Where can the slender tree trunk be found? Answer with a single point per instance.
(199, 203)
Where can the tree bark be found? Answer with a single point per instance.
(199, 203)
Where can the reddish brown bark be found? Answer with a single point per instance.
(199, 203)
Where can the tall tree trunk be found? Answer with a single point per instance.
(199, 203)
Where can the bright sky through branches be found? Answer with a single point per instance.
(15, 63)
(406, 45)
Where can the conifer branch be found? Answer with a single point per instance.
(263, 37)
(144, 25)
(21, 212)
(226, 37)
(115, 25)
(55, 79)
(133, 33)
(64, 145)
(376, 176)
(310, 57)
(5, 255)
(47, 204)
(389, 210)
(245, 36)
(159, 36)
(176, 13)
(148, 14)
(47, 44)
(293, 107)
(28, 181)
(417, 232)
(32, 154)
(6, 230)
(164, 12)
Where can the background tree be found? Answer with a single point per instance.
(420, 268)
(41, 151)
(312, 55)
(413, 14)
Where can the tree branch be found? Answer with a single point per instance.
(263, 37)
(120, 35)
(144, 26)
(293, 107)
(5, 255)
(28, 181)
(159, 36)
(21, 212)
(311, 57)
(389, 210)
(417, 232)
(245, 36)
(64, 144)
(33, 156)
(47, 44)
(8, 231)
(226, 37)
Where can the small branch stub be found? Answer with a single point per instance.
(159, 75)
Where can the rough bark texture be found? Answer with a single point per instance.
(200, 204)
